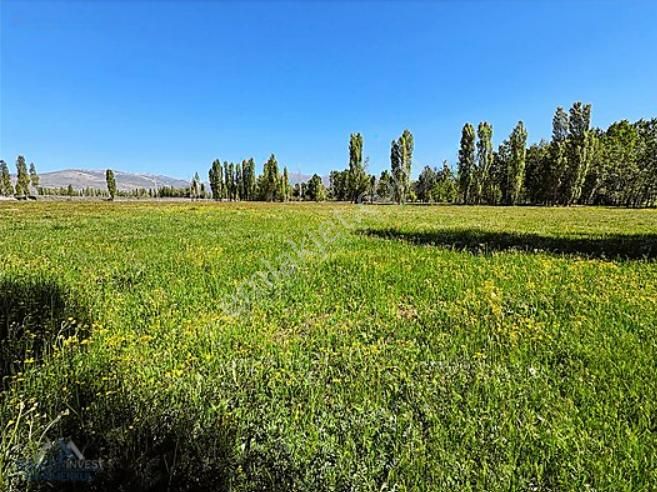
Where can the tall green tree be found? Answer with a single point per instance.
(195, 187)
(111, 183)
(498, 173)
(425, 183)
(406, 145)
(6, 188)
(339, 185)
(215, 176)
(227, 181)
(244, 192)
(34, 177)
(285, 186)
(446, 189)
(371, 191)
(251, 180)
(397, 169)
(538, 158)
(315, 189)
(558, 159)
(358, 180)
(384, 186)
(270, 180)
(516, 168)
(483, 190)
(580, 145)
(232, 181)
(466, 164)
(22, 177)
(239, 185)
(647, 158)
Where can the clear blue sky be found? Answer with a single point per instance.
(166, 87)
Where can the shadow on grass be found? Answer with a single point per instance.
(632, 247)
(165, 452)
(33, 312)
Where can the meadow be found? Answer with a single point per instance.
(265, 347)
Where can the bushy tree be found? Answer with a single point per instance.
(315, 189)
(445, 189)
(384, 186)
(538, 157)
(339, 185)
(425, 183)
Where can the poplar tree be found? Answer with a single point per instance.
(357, 177)
(466, 164)
(397, 169)
(22, 178)
(226, 181)
(579, 151)
(500, 171)
(484, 162)
(238, 181)
(243, 183)
(6, 188)
(216, 179)
(250, 181)
(270, 179)
(406, 145)
(285, 185)
(111, 183)
(557, 161)
(230, 181)
(516, 169)
(34, 177)
(538, 156)
(195, 188)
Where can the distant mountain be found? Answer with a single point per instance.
(299, 178)
(95, 178)
(304, 178)
(91, 178)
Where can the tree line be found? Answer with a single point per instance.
(578, 165)
(26, 181)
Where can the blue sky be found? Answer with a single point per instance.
(166, 87)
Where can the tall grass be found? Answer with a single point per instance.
(423, 348)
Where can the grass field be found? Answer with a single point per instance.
(380, 347)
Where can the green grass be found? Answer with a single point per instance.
(412, 348)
